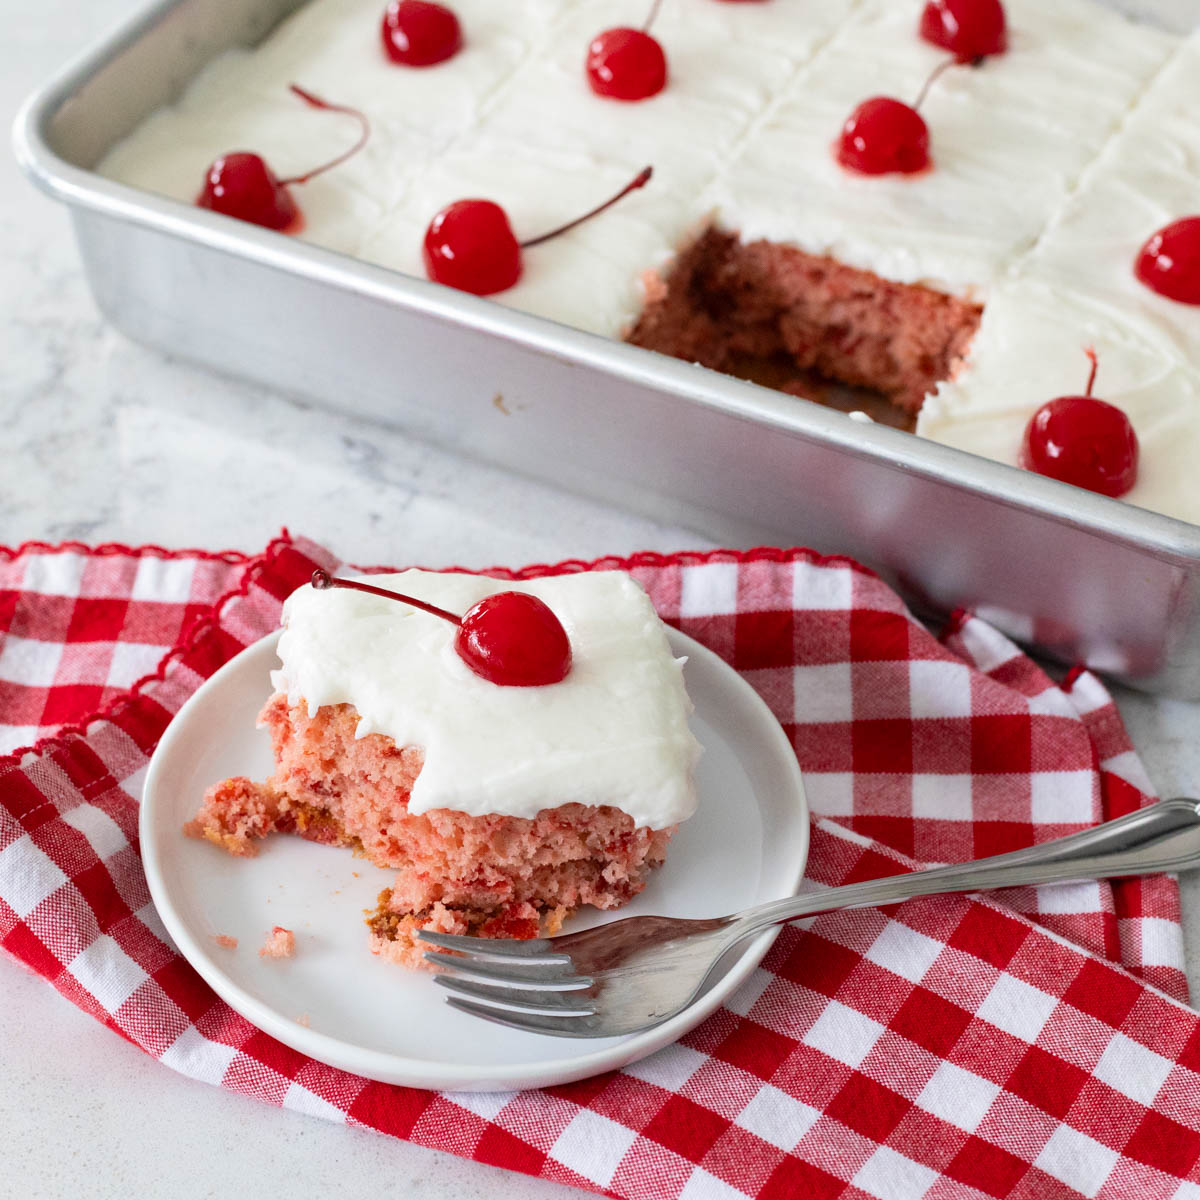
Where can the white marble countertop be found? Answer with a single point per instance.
(107, 441)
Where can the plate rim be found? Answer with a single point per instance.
(387, 1067)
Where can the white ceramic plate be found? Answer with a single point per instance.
(746, 844)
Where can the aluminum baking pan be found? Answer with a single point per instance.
(1082, 576)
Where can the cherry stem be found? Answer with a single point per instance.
(641, 181)
(1094, 360)
(321, 579)
(933, 77)
(317, 102)
(653, 15)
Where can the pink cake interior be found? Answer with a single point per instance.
(758, 309)
(493, 875)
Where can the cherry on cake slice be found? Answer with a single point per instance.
(501, 807)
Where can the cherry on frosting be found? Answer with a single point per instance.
(627, 64)
(242, 185)
(1169, 263)
(418, 33)
(470, 244)
(1084, 441)
(509, 638)
(885, 136)
(969, 29)
(513, 638)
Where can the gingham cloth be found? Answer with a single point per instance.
(1031, 1044)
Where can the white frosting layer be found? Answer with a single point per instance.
(1029, 349)
(510, 118)
(1052, 164)
(1076, 287)
(1147, 176)
(1008, 140)
(614, 731)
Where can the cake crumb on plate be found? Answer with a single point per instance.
(280, 943)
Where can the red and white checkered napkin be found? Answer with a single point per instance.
(1033, 1044)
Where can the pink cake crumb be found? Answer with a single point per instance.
(234, 812)
(223, 939)
(393, 934)
(280, 943)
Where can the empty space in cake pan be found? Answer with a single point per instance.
(1080, 575)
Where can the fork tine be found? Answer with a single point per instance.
(524, 1000)
(577, 1027)
(494, 948)
(551, 976)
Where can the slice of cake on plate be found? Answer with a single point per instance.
(502, 807)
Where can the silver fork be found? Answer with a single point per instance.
(637, 972)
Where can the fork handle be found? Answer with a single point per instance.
(1161, 837)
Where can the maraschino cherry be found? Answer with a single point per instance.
(470, 244)
(1169, 263)
(1084, 441)
(885, 136)
(969, 29)
(509, 638)
(242, 185)
(418, 33)
(627, 64)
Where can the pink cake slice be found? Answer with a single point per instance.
(499, 808)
